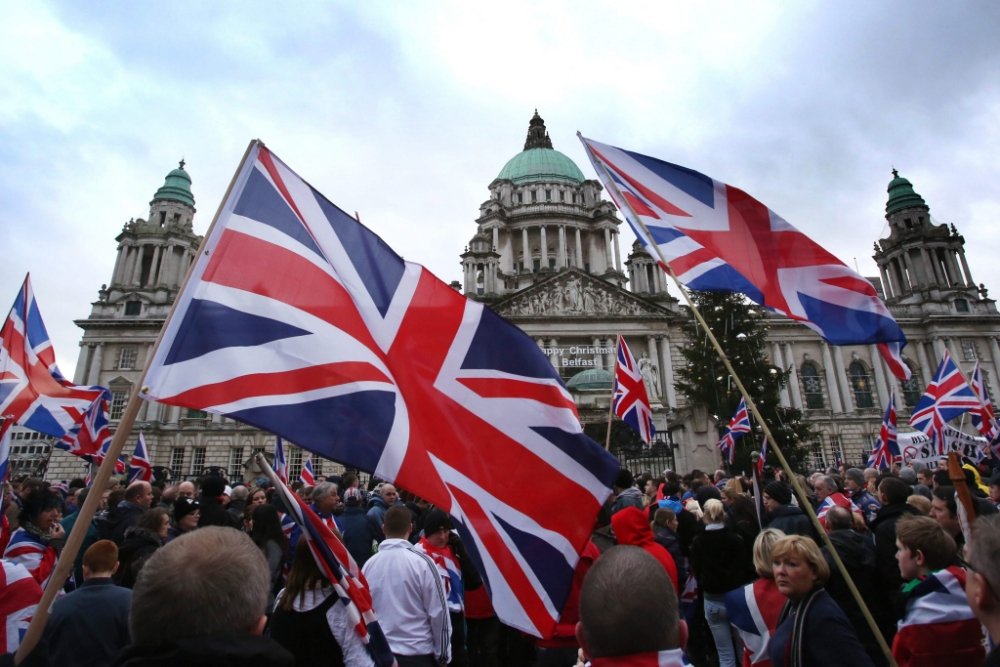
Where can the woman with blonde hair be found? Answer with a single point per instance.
(812, 630)
(755, 608)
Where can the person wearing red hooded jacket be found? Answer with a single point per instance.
(631, 526)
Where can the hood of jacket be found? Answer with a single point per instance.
(631, 526)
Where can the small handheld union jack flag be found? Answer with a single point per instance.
(739, 426)
(306, 476)
(762, 461)
(139, 468)
(631, 402)
(886, 449)
(280, 462)
(983, 416)
(946, 397)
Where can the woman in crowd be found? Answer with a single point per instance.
(266, 533)
(812, 629)
(140, 543)
(309, 622)
(758, 600)
(30, 545)
(717, 563)
(257, 496)
(187, 512)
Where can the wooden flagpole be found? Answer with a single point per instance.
(752, 406)
(64, 564)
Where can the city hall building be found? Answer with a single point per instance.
(545, 252)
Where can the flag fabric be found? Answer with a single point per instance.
(717, 238)
(754, 610)
(299, 320)
(343, 573)
(631, 402)
(946, 397)
(306, 476)
(939, 626)
(4, 458)
(280, 462)
(983, 416)
(21, 594)
(33, 392)
(139, 468)
(762, 461)
(886, 449)
(37, 557)
(738, 426)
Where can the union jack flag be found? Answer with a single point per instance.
(738, 426)
(717, 238)
(342, 572)
(983, 417)
(280, 462)
(139, 468)
(27, 550)
(4, 457)
(631, 402)
(946, 397)
(33, 392)
(762, 461)
(306, 476)
(886, 449)
(300, 321)
(21, 594)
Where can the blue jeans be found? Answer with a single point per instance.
(722, 631)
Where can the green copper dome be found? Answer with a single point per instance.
(538, 161)
(901, 195)
(592, 378)
(176, 187)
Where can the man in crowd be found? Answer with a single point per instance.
(408, 595)
(92, 621)
(359, 529)
(326, 502)
(994, 484)
(854, 484)
(626, 493)
(939, 627)
(387, 496)
(982, 580)
(213, 511)
(187, 489)
(200, 600)
(828, 495)
(629, 613)
(138, 498)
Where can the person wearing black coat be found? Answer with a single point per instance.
(213, 513)
(893, 493)
(782, 515)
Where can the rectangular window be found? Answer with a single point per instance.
(191, 413)
(126, 357)
(118, 401)
(969, 349)
(236, 463)
(294, 463)
(548, 195)
(198, 461)
(317, 466)
(177, 463)
(133, 307)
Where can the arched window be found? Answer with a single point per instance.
(861, 385)
(911, 388)
(812, 385)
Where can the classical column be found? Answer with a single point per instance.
(880, 381)
(556, 357)
(611, 345)
(953, 271)
(654, 391)
(544, 247)
(776, 359)
(496, 238)
(845, 387)
(561, 253)
(831, 379)
(793, 377)
(598, 357)
(886, 287)
(95, 365)
(137, 266)
(965, 267)
(154, 267)
(525, 250)
(667, 366)
(926, 369)
(618, 254)
(608, 259)
(579, 250)
(995, 356)
(939, 349)
(84, 357)
(908, 274)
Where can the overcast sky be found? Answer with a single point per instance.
(406, 111)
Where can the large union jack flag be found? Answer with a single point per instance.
(886, 449)
(717, 238)
(306, 475)
(631, 402)
(946, 397)
(300, 321)
(738, 426)
(35, 394)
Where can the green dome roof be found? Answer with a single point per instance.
(541, 164)
(538, 161)
(901, 195)
(176, 187)
(592, 378)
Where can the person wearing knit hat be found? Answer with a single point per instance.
(187, 511)
(781, 514)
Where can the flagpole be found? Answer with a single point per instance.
(611, 404)
(751, 405)
(64, 564)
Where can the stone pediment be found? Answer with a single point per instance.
(575, 294)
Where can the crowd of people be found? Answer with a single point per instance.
(680, 569)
